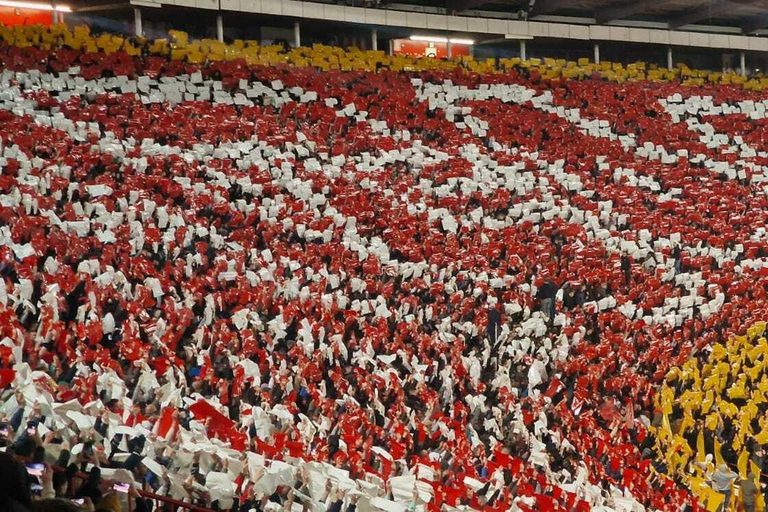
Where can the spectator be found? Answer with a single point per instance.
(211, 307)
(59, 505)
(14, 485)
(722, 480)
(109, 503)
(749, 492)
(547, 294)
(91, 487)
(63, 459)
(60, 484)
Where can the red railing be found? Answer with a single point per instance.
(175, 504)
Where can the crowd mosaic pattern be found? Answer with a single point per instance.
(436, 286)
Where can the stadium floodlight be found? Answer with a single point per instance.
(35, 5)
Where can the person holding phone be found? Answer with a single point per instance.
(90, 489)
(27, 440)
(38, 455)
(36, 416)
(60, 484)
(41, 477)
(46, 480)
(18, 415)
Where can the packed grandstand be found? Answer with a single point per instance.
(255, 279)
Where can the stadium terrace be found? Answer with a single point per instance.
(326, 280)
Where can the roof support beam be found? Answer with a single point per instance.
(712, 9)
(466, 5)
(754, 23)
(623, 10)
(547, 6)
(103, 7)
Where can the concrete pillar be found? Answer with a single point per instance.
(297, 34)
(449, 49)
(220, 27)
(597, 53)
(670, 63)
(522, 50)
(137, 28)
(374, 40)
(743, 64)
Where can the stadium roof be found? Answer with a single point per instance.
(748, 16)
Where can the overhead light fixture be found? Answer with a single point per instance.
(515, 36)
(430, 39)
(34, 5)
(438, 39)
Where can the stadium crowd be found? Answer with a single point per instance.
(712, 421)
(278, 288)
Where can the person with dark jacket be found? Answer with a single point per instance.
(63, 460)
(60, 484)
(546, 294)
(15, 493)
(56, 505)
(749, 492)
(38, 455)
(16, 418)
(494, 324)
(90, 489)
(626, 268)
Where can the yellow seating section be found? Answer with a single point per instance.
(707, 394)
(179, 46)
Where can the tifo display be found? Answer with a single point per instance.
(180, 49)
(245, 277)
